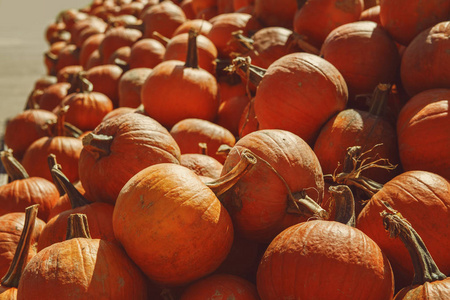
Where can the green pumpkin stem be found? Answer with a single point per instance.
(344, 203)
(192, 50)
(98, 144)
(12, 166)
(77, 227)
(379, 99)
(227, 181)
(425, 269)
(12, 277)
(75, 197)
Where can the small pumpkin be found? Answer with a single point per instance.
(146, 53)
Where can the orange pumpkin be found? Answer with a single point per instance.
(146, 53)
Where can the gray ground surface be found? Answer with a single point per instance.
(22, 44)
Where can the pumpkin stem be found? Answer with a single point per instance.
(98, 144)
(354, 164)
(122, 64)
(379, 99)
(53, 164)
(345, 204)
(227, 181)
(192, 51)
(224, 149)
(300, 41)
(139, 25)
(75, 197)
(12, 166)
(77, 227)
(243, 67)
(203, 147)
(425, 269)
(245, 43)
(163, 39)
(12, 277)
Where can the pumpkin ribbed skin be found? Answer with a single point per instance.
(202, 165)
(67, 151)
(439, 289)
(116, 38)
(324, 260)
(425, 113)
(168, 207)
(86, 269)
(275, 13)
(53, 95)
(364, 54)
(425, 62)
(164, 17)
(405, 19)
(146, 53)
(423, 198)
(298, 93)
(11, 226)
(202, 26)
(138, 142)
(130, 86)
(262, 195)
(173, 92)
(19, 194)
(221, 285)
(105, 80)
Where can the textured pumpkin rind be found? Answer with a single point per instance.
(262, 195)
(172, 225)
(428, 291)
(324, 260)
(423, 198)
(82, 269)
(298, 93)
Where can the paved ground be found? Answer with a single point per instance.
(22, 44)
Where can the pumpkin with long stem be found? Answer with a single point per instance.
(119, 148)
(195, 94)
(180, 217)
(10, 282)
(87, 268)
(428, 282)
(423, 199)
(325, 260)
(282, 189)
(24, 190)
(99, 215)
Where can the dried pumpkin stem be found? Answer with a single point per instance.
(164, 39)
(12, 277)
(192, 51)
(98, 144)
(345, 204)
(301, 42)
(226, 182)
(203, 148)
(243, 67)
(12, 166)
(425, 269)
(77, 227)
(75, 197)
(379, 99)
(245, 43)
(52, 163)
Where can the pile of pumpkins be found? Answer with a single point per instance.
(233, 149)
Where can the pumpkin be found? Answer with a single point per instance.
(325, 260)
(116, 38)
(425, 62)
(364, 54)
(299, 93)
(424, 132)
(315, 19)
(130, 86)
(200, 5)
(119, 148)
(146, 53)
(171, 209)
(222, 285)
(66, 148)
(105, 80)
(86, 107)
(369, 130)
(98, 214)
(188, 133)
(69, 55)
(56, 31)
(39, 86)
(176, 49)
(25, 128)
(24, 191)
(11, 226)
(248, 121)
(405, 19)
(175, 91)
(429, 282)
(186, 6)
(80, 29)
(120, 57)
(423, 199)
(201, 26)
(202, 165)
(230, 112)
(371, 14)
(53, 95)
(90, 45)
(279, 190)
(164, 17)
(51, 57)
(67, 74)
(87, 268)
(93, 60)
(10, 282)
